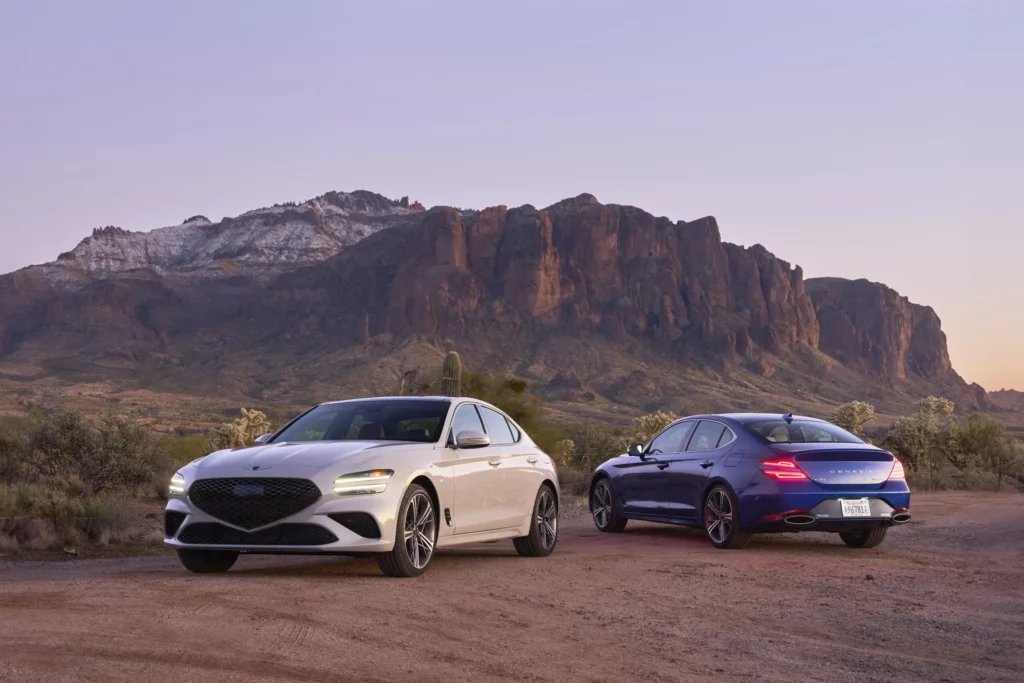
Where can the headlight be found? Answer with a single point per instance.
(372, 481)
(177, 486)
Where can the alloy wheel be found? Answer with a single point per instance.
(547, 518)
(718, 516)
(601, 505)
(420, 529)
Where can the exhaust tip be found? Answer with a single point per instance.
(800, 520)
(901, 517)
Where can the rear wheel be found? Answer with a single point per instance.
(543, 528)
(602, 507)
(207, 561)
(864, 538)
(722, 520)
(415, 535)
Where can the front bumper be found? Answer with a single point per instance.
(297, 533)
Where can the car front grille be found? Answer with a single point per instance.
(211, 533)
(251, 502)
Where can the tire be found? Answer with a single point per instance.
(602, 508)
(207, 561)
(722, 520)
(864, 538)
(415, 535)
(543, 529)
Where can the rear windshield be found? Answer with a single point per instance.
(777, 430)
(370, 420)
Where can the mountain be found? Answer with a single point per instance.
(603, 307)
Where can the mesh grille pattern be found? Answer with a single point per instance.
(361, 523)
(172, 521)
(210, 533)
(252, 502)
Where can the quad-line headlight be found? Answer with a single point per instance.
(358, 483)
(177, 485)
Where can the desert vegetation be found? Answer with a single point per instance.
(66, 478)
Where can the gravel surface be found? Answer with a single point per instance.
(941, 600)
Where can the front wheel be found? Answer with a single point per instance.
(207, 561)
(544, 527)
(722, 520)
(602, 507)
(415, 535)
(864, 538)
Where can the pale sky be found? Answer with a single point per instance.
(857, 139)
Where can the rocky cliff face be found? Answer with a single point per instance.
(579, 265)
(260, 243)
(871, 325)
(294, 284)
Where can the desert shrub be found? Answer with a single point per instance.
(105, 520)
(919, 439)
(852, 416)
(241, 432)
(573, 481)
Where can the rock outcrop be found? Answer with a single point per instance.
(259, 243)
(577, 265)
(870, 325)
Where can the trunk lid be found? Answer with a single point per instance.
(840, 465)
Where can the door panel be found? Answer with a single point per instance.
(478, 483)
(647, 483)
(689, 470)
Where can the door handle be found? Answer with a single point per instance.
(707, 463)
(532, 460)
(494, 462)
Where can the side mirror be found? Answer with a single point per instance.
(471, 439)
(636, 450)
(262, 438)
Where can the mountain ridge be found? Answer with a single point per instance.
(336, 293)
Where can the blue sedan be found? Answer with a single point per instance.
(740, 474)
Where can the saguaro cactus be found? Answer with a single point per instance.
(451, 375)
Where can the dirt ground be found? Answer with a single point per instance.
(941, 600)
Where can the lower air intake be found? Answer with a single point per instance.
(172, 522)
(359, 523)
(208, 533)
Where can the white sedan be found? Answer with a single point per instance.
(396, 477)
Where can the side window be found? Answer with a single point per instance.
(497, 427)
(516, 434)
(727, 438)
(671, 440)
(465, 420)
(706, 436)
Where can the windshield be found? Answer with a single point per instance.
(799, 431)
(370, 420)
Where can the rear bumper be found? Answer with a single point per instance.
(828, 516)
(821, 510)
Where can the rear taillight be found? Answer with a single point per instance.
(782, 469)
(898, 472)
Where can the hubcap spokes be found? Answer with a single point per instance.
(718, 516)
(419, 530)
(601, 506)
(547, 519)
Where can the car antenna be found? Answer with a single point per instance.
(788, 417)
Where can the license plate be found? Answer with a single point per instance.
(857, 507)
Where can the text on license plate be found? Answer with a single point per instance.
(856, 507)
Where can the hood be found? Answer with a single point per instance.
(305, 454)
